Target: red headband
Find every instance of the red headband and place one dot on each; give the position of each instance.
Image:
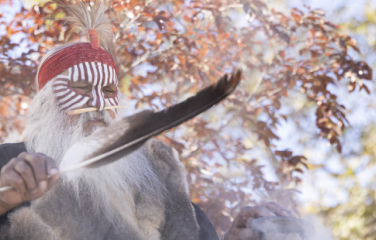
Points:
(70, 56)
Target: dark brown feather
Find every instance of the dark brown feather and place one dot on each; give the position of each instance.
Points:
(128, 134)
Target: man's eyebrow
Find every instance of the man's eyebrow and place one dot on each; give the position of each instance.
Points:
(111, 85)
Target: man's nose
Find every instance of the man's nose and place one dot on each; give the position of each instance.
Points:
(97, 98)
(89, 102)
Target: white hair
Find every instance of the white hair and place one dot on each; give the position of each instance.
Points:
(51, 131)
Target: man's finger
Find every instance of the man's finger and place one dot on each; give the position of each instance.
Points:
(26, 172)
(11, 178)
(11, 163)
(22, 155)
(38, 164)
(51, 166)
(53, 171)
(38, 192)
(278, 210)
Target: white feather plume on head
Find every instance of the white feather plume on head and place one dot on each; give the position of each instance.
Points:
(87, 16)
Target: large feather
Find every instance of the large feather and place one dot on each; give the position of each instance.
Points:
(126, 135)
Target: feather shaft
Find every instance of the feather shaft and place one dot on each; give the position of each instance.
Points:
(3, 189)
(91, 109)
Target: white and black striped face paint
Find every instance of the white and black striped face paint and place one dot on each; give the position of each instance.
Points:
(97, 76)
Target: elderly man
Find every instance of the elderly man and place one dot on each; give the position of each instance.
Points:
(143, 196)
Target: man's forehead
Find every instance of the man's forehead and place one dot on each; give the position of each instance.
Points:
(83, 76)
(66, 73)
(100, 82)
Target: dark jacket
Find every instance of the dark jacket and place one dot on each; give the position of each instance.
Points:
(11, 150)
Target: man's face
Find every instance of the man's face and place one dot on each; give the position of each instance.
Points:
(96, 77)
(81, 87)
(85, 89)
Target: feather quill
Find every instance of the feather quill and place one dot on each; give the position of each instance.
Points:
(128, 134)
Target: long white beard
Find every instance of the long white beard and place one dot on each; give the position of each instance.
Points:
(111, 187)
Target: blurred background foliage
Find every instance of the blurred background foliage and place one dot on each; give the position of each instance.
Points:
(300, 128)
(341, 188)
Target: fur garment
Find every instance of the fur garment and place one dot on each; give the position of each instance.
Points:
(62, 214)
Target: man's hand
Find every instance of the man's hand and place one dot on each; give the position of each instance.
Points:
(31, 175)
(241, 227)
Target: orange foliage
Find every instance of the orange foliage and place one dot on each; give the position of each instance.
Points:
(191, 45)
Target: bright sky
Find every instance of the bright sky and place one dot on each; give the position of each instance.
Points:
(354, 9)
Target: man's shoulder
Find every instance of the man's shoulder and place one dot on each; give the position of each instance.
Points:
(160, 150)
(9, 151)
